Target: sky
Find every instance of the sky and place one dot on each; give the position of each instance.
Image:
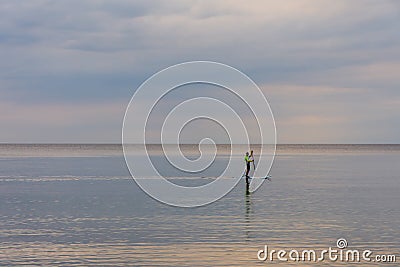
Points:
(329, 69)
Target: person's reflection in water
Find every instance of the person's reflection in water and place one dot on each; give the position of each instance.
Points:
(248, 211)
(247, 189)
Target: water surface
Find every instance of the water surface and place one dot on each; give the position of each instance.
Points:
(77, 205)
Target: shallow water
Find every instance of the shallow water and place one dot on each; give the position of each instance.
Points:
(77, 205)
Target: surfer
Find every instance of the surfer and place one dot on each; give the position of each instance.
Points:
(252, 160)
(248, 159)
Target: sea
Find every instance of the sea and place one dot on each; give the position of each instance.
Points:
(77, 205)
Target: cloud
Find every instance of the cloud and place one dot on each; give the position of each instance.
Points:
(66, 123)
(326, 114)
(382, 75)
(312, 57)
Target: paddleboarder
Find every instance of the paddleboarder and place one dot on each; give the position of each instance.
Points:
(247, 160)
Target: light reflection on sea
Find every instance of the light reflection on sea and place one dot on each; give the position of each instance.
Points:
(70, 205)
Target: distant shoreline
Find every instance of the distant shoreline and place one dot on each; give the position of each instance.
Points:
(99, 150)
(191, 144)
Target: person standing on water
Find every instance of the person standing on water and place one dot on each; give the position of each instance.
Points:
(252, 159)
(247, 159)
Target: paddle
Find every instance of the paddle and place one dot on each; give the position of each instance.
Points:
(254, 166)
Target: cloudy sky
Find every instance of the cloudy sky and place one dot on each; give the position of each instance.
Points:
(330, 69)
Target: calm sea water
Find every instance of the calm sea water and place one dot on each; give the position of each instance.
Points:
(77, 205)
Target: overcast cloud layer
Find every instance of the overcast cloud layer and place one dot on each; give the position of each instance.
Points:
(330, 69)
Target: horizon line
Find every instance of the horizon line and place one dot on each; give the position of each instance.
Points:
(257, 144)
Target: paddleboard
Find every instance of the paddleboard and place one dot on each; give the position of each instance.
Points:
(265, 178)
